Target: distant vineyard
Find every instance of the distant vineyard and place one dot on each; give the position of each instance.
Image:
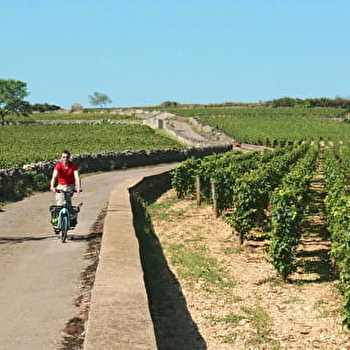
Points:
(273, 130)
(270, 126)
(268, 194)
(71, 116)
(257, 112)
(23, 144)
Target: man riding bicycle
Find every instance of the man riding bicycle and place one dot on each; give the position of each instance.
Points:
(65, 177)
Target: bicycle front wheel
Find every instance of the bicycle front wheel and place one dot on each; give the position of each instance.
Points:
(64, 228)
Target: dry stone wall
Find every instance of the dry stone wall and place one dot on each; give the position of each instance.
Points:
(18, 182)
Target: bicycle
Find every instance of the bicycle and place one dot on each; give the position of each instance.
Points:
(64, 218)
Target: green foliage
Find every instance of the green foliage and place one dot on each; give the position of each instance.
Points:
(76, 107)
(290, 102)
(83, 115)
(44, 107)
(25, 144)
(280, 185)
(184, 177)
(223, 169)
(99, 99)
(337, 204)
(29, 183)
(252, 191)
(170, 104)
(20, 189)
(39, 182)
(272, 126)
(257, 126)
(322, 102)
(288, 203)
(243, 182)
(12, 94)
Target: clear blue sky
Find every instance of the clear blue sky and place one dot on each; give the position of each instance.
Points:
(147, 52)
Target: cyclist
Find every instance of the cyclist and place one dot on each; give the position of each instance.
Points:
(66, 177)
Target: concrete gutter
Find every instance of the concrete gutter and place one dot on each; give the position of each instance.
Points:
(119, 313)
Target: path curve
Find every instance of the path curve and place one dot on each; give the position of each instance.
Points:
(39, 276)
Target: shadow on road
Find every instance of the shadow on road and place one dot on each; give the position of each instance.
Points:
(84, 238)
(174, 327)
(14, 240)
(75, 238)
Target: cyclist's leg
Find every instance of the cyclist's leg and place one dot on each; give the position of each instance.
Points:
(66, 188)
(69, 196)
(60, 196)
(59, 201)
(69, 189)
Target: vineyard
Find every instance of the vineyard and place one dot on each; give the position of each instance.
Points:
(270, 196)
(24, 144)
(273, 126)
(71, 116)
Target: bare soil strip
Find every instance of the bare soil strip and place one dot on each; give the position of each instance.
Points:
(248, 307)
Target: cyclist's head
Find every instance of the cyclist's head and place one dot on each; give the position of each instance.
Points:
(66, 155)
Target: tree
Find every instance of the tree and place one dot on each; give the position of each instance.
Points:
(170, 104)
(12, 94)
(77, 107)
(99, 99)
(44, 107)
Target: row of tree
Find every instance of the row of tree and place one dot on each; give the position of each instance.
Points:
(13, 94)
(337, 102)
(322, 102)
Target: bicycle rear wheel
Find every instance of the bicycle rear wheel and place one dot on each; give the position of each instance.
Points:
(64, 228)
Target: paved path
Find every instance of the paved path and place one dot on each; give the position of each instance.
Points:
(39, 276)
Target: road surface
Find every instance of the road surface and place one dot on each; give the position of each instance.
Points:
(39, 275)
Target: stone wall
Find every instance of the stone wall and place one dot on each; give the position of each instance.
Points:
(19, 182)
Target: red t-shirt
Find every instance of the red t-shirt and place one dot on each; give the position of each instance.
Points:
(66, 175)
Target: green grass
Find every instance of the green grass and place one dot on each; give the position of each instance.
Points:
(193, 265)
(232, 319)
(190, 257)
(260, 320)
(163, 211)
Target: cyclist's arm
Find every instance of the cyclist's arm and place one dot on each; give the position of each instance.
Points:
(77, 181)
(53, 180)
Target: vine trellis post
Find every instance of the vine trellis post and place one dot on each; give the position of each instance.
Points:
(198, 190)
(215, 199)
